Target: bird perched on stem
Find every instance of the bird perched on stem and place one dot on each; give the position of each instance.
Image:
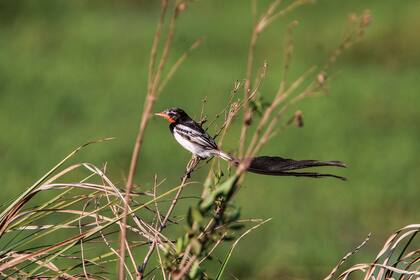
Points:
(195, 139)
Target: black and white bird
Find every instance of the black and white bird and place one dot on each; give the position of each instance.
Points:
(190, 135)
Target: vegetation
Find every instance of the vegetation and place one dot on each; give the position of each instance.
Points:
(77, 222)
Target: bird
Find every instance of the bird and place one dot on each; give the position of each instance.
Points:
(192, 137)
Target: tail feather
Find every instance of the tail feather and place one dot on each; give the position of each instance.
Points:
(278, 166)
(286, 164)
(297, 174)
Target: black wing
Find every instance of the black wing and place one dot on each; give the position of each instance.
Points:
(196, 134)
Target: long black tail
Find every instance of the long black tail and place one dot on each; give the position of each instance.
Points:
(278, 166)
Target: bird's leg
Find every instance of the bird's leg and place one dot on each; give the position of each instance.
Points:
(191, 166)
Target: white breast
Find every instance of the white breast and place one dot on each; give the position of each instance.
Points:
(186, 144)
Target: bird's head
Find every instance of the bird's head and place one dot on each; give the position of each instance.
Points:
(173, 115)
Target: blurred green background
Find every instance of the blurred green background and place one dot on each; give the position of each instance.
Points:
(72, 71)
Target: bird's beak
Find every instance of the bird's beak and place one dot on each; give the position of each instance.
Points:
(166, 116)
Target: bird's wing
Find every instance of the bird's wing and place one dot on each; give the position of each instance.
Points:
(196, 135)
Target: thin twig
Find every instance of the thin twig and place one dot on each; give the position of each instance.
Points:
(192, 164)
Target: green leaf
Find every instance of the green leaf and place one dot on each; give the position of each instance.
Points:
(197, 217)
(195, 269)
(195, 246)
(222, 189)
(179, 245)
(219, 174)
(207, 202)
(229, 237)
(259, 105)
(232, 216)
(207, 183)
(227, 186)
(186, 240)
(236, 226)
(190, 219)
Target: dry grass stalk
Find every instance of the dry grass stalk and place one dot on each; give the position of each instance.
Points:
(104, 215)
(348, 255)
(403, 266)
(147, 110)
(155, 85)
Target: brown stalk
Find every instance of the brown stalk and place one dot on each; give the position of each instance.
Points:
(154, 80)
(81, 241)
(150, 98)
(156, 39)
(155, 85)
(184, 270)
(247, 112)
